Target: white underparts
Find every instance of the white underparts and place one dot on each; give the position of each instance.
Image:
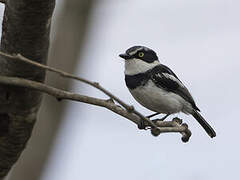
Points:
(159, 100)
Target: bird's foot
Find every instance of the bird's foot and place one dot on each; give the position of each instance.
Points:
(141, 124)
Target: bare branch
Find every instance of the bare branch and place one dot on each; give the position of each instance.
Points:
(93, 84)
(163, 126)
(129, 112)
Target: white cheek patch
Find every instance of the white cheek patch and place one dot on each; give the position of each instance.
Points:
(169, 76)
(136, 66)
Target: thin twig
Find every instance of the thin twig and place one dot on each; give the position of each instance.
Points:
(163, 126)
(94, 84)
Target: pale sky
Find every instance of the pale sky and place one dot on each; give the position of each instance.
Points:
(200, 41)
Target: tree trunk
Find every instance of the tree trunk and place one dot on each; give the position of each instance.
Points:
(26, 28)
(71, 31)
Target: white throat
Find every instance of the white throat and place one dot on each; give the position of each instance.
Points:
(135, 66)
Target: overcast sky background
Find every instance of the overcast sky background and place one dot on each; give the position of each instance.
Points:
(200, 41)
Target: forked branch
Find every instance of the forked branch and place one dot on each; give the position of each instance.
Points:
(124, 110)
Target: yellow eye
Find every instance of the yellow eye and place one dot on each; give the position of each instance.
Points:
(141, 54)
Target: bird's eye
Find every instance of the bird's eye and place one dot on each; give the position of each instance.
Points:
(140, 54)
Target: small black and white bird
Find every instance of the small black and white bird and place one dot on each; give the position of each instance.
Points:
(156, 87)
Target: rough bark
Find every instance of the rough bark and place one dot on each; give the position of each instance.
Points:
(26, 27)
(71, 31)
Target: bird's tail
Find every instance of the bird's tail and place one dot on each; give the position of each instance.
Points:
(204, 124)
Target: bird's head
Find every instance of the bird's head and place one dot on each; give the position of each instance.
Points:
(139, 59)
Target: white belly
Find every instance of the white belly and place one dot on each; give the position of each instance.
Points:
(159, 100)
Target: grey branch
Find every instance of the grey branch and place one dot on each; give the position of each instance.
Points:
(93, 84)
(163, 126)
(127, 111)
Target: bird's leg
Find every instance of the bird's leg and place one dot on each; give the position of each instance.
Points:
(152, 115)
(141, 124)
(162, 119)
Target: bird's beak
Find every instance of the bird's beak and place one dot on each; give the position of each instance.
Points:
(125, 56)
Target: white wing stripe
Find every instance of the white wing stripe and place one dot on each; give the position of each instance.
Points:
(159, 75)
(169, 76)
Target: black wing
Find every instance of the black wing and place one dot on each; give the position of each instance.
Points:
(165, 78)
